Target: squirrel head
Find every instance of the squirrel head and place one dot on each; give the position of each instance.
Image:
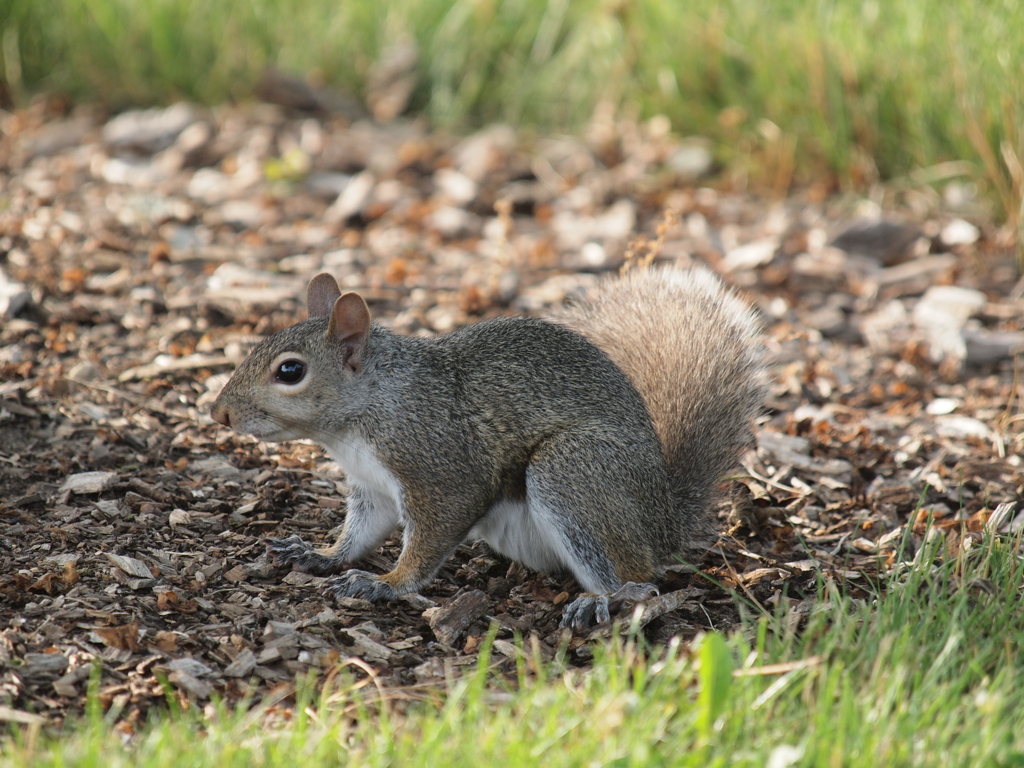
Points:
(293, 383)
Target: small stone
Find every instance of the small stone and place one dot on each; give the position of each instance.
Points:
(236, 284)
(149, 130)
(44, 664)
(829, 320)
(179, 517)
(89, 482)
(130, 565)
(921, 271)
(209, 185)
(962, 427)
(986, 347)
(84, 372)
(276, 629)
(190, 666)
(755, 254)
(367, 647)
(351, 201)
(59, 135)
(108, 508)
(327, 184)
(452, 222)
(433, 669)
(941, 314)
(218, 467)
(957, 301)
(593, 255)
(186, 150)
(883, 328)
(691, 160)
(618, 222)
(300, 579)
(245, 213)
(886, 241)
(141, 175)
(63, 558)
(959, 232)
(479, 154)
(237, 574)
(829, 263)
(198, 688)
(442, 319)
(457, 187)
(941, 406)
(554, 290)
(14, 297)
(67, 685)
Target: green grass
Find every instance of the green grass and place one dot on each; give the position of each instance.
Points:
(927, 675)
(855, 90)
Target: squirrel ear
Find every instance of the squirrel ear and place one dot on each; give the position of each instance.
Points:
(321, 294)
(349, 327)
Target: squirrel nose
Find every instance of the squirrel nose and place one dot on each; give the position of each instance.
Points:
(220, 413)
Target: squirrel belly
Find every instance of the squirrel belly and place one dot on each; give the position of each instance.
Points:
(592, 443)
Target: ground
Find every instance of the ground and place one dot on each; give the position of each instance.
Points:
(140, 258)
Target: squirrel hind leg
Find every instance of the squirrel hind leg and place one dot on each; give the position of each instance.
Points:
(589, 609)
(599, 529)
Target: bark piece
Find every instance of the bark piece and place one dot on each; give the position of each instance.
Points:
(452, 619)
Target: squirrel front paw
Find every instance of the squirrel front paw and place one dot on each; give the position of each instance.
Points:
(361, 584)
(297, 553)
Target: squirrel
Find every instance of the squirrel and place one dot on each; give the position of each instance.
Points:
(592, 442)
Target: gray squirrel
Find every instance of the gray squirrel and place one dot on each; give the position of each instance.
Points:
(591, 443)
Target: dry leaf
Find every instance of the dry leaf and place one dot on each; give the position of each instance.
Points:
(70, 573)
(169, 600)
(396, 271)
(45, 584)
(123, 638)
(166, 641)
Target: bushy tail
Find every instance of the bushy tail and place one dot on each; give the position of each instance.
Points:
(692, 350)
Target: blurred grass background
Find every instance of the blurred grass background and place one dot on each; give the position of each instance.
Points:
(850, 91)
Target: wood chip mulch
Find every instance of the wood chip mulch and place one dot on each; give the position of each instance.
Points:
(141, 256)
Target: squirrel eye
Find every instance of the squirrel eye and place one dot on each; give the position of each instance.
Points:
(290, 371)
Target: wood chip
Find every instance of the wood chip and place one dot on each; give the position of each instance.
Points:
(9, 715)
(242, 666)
(130, 565)
(89, 482)
(452, 619)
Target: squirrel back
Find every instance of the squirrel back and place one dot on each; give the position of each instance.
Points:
(691, 348)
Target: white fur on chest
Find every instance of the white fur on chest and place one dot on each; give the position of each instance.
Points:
(366, 472)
